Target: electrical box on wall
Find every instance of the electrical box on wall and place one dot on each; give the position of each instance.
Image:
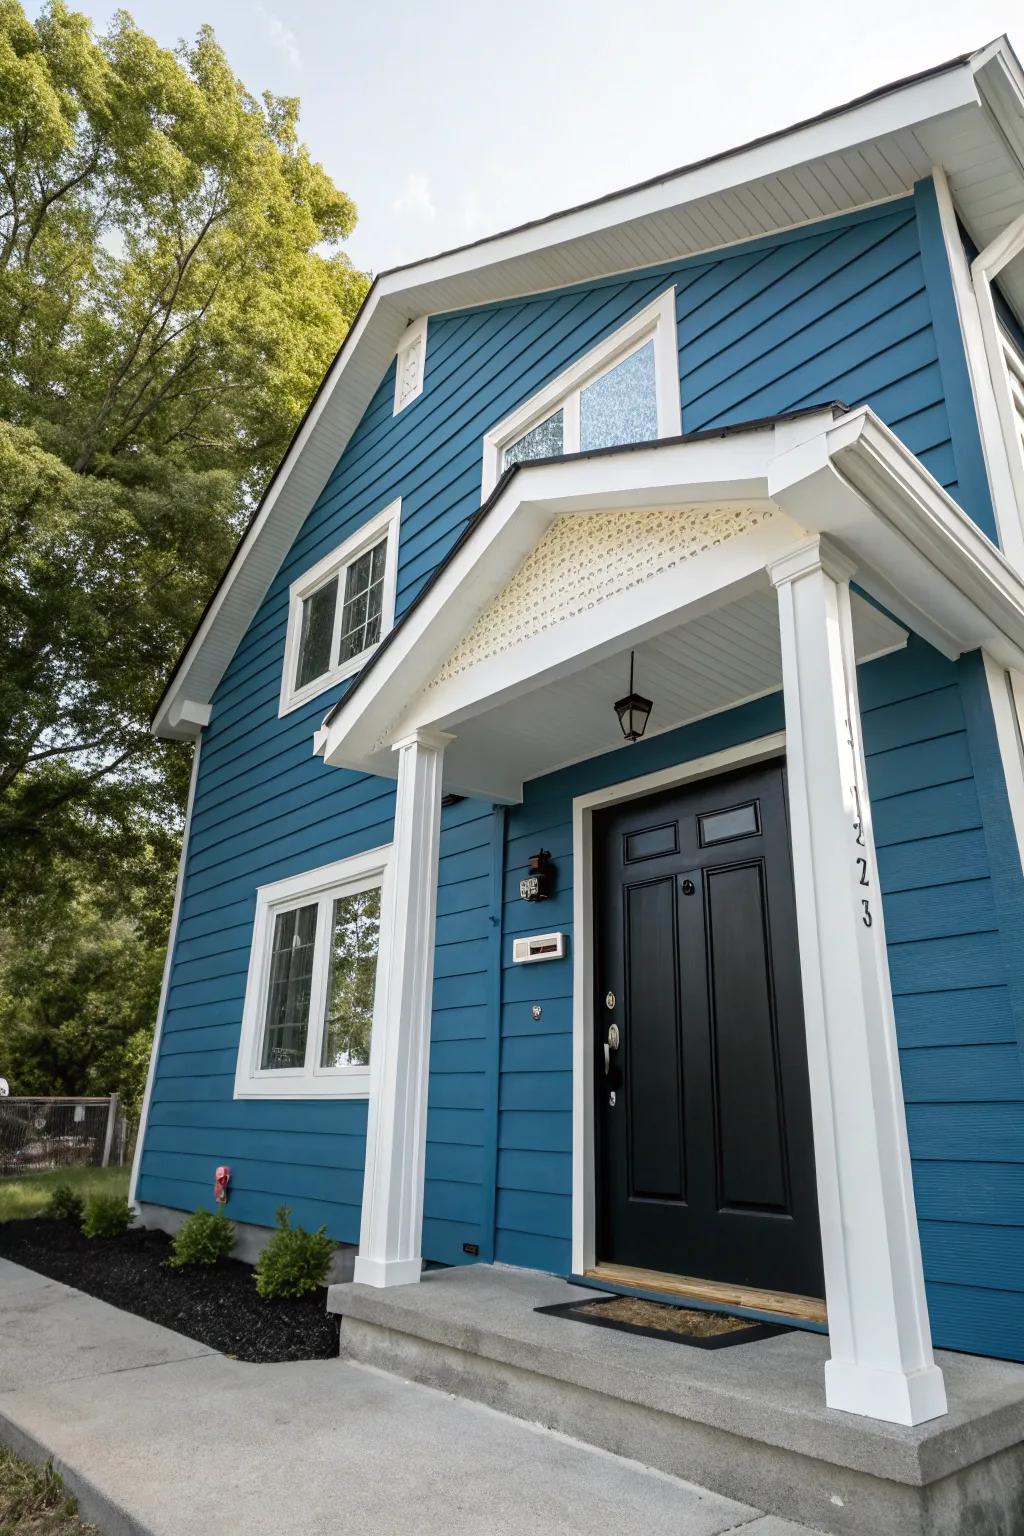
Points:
(539, 946)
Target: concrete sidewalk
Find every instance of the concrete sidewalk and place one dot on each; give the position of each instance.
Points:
(160, 1436)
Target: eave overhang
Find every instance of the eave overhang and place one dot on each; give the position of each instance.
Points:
(868, 151)
(843, 475)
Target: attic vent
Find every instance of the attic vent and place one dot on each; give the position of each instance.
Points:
(409, 369)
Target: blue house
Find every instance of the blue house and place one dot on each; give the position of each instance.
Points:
(603, 853)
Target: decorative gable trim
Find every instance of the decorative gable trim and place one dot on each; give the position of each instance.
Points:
(582, 562)
(410, 364)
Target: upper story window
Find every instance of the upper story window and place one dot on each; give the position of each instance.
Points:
(340, 609)
(626, 390)
(308, 1019)
(411, 359)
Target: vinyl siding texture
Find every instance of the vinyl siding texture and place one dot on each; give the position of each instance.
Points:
(854, 309)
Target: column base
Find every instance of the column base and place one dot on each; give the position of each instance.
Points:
(909, 1398)
(386, 1272)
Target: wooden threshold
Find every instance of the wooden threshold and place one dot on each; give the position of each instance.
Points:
(808, 1308)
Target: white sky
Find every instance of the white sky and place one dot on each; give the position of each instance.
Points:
(446, 120)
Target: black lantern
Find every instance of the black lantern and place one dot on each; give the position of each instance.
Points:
(540, 882)
(633, 711)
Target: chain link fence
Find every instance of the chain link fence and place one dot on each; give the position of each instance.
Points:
(37, 1135)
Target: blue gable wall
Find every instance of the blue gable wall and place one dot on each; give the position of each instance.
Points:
(854, 309)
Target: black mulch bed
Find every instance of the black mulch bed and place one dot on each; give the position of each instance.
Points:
(216, 1305)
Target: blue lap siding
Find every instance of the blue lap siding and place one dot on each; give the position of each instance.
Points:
(855, 309)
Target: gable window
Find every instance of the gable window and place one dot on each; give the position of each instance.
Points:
(340, 610)
(626, 390)
(307, 1026)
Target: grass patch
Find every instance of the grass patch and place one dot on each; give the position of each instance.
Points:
(34, 1501)
(29, 1193)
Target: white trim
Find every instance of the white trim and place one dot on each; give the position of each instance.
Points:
(165, 981)
(384, 525)
(584, 1215)
(656, 321)
(412, 348)
(391, 1221)
(1006, 694)
(363, 871)
(881, 1363)
(995, 448)
(917, 553)
(985, 268)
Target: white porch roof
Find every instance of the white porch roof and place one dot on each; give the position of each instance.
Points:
(519, 647)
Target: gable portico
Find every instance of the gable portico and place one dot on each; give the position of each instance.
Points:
(752, 537)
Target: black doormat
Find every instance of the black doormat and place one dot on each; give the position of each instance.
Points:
(660, 1320)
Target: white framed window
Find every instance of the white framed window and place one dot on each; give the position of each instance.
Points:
(311, 995)
(410, 365)
(339, 611)
(626, 390)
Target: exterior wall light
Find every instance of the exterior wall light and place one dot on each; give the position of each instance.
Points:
(634, 710)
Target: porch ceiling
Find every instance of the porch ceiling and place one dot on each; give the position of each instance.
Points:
(694, 669)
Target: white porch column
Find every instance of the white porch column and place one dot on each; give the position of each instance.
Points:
(880, 1339)
(396, 1134)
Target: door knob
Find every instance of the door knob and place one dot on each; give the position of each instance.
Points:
(612, 1043)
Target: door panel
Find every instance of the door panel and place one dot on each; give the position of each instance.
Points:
(745, 1085)
(705, 1154)
(654, 1075)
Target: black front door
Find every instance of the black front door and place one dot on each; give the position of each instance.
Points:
(705, 1156)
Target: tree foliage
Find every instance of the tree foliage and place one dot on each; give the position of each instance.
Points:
(171, 292)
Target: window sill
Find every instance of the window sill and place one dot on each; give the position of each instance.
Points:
(354, 1085)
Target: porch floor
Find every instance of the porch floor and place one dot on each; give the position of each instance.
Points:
(749, 1421)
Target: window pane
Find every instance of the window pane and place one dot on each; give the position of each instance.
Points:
(354, 940)
(364, 599)
(544, 441)
(719, 826)
(621, 406)
(291, 970)
(315, 636)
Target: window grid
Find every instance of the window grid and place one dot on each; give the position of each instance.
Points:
(320, 979)
(586, 418)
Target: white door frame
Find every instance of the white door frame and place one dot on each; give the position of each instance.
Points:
(584, 1200)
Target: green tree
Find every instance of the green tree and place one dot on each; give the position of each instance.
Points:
(172, 289)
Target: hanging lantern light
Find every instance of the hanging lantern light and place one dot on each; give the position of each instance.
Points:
(633, 711)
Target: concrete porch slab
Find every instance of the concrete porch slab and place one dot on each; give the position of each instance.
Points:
(160, 1437)
(749, 1422)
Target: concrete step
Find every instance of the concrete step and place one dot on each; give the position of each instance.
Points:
(749, 1422)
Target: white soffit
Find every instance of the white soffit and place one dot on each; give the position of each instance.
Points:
(967, 116)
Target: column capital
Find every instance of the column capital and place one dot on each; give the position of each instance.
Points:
(426, 736)
(815, 554)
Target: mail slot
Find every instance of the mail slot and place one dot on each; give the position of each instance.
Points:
(539, 946)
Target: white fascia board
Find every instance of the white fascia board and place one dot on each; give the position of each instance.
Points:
(906, 106)
(916, 550)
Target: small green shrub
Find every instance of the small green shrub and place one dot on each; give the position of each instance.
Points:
(66, 1204)
(203, 1238)
(107, 1216)
(294, 1261)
